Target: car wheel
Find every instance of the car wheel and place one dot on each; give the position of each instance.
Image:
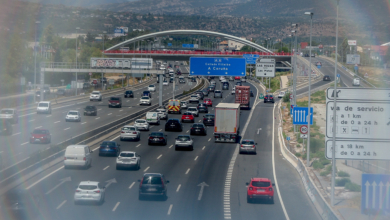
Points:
(271, 200)
(248, 200)
(192, 148)
(140, 197)
(176, 148)
(117, 167)
(192, 121)
(165, 143)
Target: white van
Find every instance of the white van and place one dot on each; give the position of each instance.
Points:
(356, 82)
(77, 156)
(44, 107)
(152, 118)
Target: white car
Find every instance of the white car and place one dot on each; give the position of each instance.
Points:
(95, 95)
(141, 124)
(151, 88)
(183, 104)
(145, 100)
(89, 191)
(130, 132)
(194, 98)
(281, 94)
(221, 78)
(152, 117)
(356, 82)
(9, 114)
(234, 90)
(128, 159)
(73, 115)
(162, 67)
(184, 141)
(194, 111)
(165, 83)
(44, 107)
(162, 113)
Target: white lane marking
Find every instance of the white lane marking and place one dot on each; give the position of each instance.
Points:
(178, 188)
(56, 122)
(188, 171)
(116, 206)
(170, 146)
(120, 110)
(97, 118)
(205, 146)
(111, 113)
(32, 120)
(273, 164)
(131, 107)
(29, 187)
(105, 168)
(99, 109)
(159, 156)
(66, 129)
(210, 138)
(62, 203)
(170, 209)
(151, 126)
(115, 138)
(197, 156)
(161, 129)
(147, 168)
(83, 123)
(24, 143)
(188, 131)
(48, 116)
(38, 127)
(16, 134)
(201, 120)
(131, 185)
(138, 145)
(129, 100)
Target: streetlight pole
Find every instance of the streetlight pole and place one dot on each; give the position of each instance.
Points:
(35, 61)
(308, 108)
(295, 66)
(77, 29)
(334, 111)
(104, 33)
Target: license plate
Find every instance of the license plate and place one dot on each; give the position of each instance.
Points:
(208, 120)
(197, 130)
(172, 125)
(37, 140)
(70, 158)
(187, 117)
(156, 139)
(152, 189)
(260, 190)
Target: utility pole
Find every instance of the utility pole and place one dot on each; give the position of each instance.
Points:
(35, 61)
(77, 35)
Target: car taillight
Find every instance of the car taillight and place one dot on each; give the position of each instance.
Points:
(250, 188)
(134, 132)
(97, 191)
(140, 184)
(271, 97)
(242, 145)
(84, 158)
(192, 128)
(162, 182)
(161, 138)
(64, 158)
(233, 136)
(253, 146)
(78, 190)
(150, 138)
(270, 189)
(216, 136)
(122, 132)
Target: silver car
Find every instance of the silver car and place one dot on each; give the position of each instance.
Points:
(248, 146)
(194, 111)
(145, 100)
(183, 104)
(9, 114)
(128, 159)
(184, 141)
(217, 94)
(194, 98)
(89, 191)
(130, 132)
(162, 113)
(95, 95)
(141, 124)
(73, 115)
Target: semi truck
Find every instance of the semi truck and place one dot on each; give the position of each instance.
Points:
(227, 122)
(243, 96)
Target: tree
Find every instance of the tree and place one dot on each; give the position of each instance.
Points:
(48, 34)
(90, 37)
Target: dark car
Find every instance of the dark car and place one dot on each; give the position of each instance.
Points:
(200, 94)
(103, 80)
(211, 88)
(128, 94)
(171, 80)
(326, 78)
(269, 98)
(225, 86)
(46, 90)
(252, 95)
(157, 138)
(202, 108)
(239, 83)
(41, 136)
(205, 92)
(146, 93)
(90, 110)
(5, 127)
(173, 124)
(86, 86)
(60, 92)
(110, 148)
(153, 184)
(115, 102)
(198, 128)
(38, 94)
(209, 119)
(193, 79)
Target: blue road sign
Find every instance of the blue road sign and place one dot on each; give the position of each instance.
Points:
(356, 68)
(300, 115)
(207, 66)
(250, 58)
(169, 44)
(288, 138)
(187, 45)
(291, 109)
(319, 66)
(338, 75)
(375, 193)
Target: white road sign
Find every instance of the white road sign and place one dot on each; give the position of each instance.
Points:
(304, 136)
(303, 129)
(359, 94)
(265, 67)
(353, 59)
(352, 42)
(359, 150)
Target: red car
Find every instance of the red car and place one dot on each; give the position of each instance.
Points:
(187, 116)
(40, 136)
(208, 102)
(260, 188)
(237, 78)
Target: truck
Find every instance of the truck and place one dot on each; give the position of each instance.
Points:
(227, 122)
(243, 96)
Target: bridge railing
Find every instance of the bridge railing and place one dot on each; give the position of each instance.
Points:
(65, 65)
(174, 52)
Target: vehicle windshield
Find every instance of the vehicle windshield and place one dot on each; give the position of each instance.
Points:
(72, 113)
(216, 91)
(43, 105)
(209, 116)
(38, 131)
(145, 97)
(126, 155)
(157, 134)
(96, 93)
(6, 111)
(151, 114)
(87, 187)
(261, 184)
(174, 103)
(114, 99)
(197, 126)
(192, 109)
(152, 180)
(128, 128)
(183, 138)
(151, 86)
(247, 142)
(90, 108)
(129, 92)
(140, 121)
(108, 143)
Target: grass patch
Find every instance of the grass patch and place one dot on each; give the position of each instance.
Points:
(343, 174)
(318, 165)
(342, 181)
(324, 173)
(298, 154)
(353, 187)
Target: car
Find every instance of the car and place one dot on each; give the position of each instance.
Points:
(248, 146)
(115, 102)
(205, 92)
(86, 86)
(225, 86)
(194, 98)
(193, 79)
(153, 184)
(194, 111)
(237, 78)
(146, 93)
(9, 114)
(209, 119)
(171, 80)
(198, 128)
(260, 188)
(44, 107)
(41, 136)
(128, 159)
(109, 148)
(269, 98)
(73, 115)
(90, 110)
(281, 94)
(183, 104)
(187, 116)
(221, 78)
(162, 113)
(89, 191)
(231, 78)
(5, 127)
(128, 94)
(157, 138)
(211, 88)
(252, 95)
(208, 102)
(173, 124)
(60, 92)
(95, 95)
(174, 106)
(46, 90)
(182, 81)
(326, 78)
(200, 94)
(165, 83)
(184, 141)
(202, 108)
(145, 101)
(239, 83)
(141, 124)
(152, 117)
(234, 90)
(313, 55)
(243, 79)
(356, 82)
(162, 67)
(212, 82)
(217, 94)
(130, 132)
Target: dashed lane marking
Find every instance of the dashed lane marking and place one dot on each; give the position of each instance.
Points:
(170, 146)
(170, 209)
(138, 145)
(159, 156)
(188, 170)
(97, 118)
(131, 185)
(116, 206)
(66, 129)
(83, 123)
(60, 205)
(196, 158)
(147, 168)
(203, 147)
(56, 122)
(24, 143)
(210, 138)
(178, 188)
(105, 168)
(16, 134)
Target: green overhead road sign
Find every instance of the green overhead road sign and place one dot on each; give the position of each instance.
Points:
(261, 96)
(68, 86)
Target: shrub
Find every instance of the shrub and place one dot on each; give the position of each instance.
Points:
(342, 181)
(317, 165)
(316, 145)
(353, 187)
(286, 97)
(324, 173)
(298, 154)
(329, 168)
(342, 174)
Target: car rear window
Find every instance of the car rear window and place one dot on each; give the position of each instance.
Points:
(187, 113)
(217, 91)
(209, 116)
(90, 107)
(128, 128)
(108, 143)
(174, 103)
(72, 113)
(129, 92)
(151, 86)
(114, 98)
(152, 180)
(140, 121)
(157, 134)
(248, 142)
(261, 184)
(126, 155)
(7, 111)
(96, 93)
(145, 97)
(191, 109)
(43, 105)
(39, 132)
(197, 126)
(183, 138)
(87, 187)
